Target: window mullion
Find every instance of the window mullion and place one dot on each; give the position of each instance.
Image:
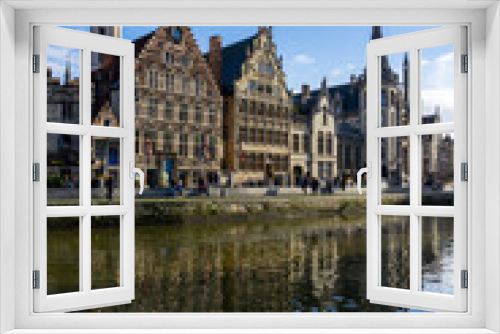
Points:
(86, 166)
(414, 170)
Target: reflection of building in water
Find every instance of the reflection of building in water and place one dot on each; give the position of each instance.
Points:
(257, 107)
(395, 270)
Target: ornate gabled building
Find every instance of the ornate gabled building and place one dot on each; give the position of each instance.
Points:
(348, 110)
(178, 109)
(257, 108)
(314, 134)
(328, 131)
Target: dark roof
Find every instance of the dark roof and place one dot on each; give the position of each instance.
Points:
(349, 94)
(140, 43)
(233, 57)
(346, 130)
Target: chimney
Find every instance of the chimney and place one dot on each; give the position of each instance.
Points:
(215, 58)
(306, 91)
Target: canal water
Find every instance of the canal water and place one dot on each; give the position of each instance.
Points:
(261, 265)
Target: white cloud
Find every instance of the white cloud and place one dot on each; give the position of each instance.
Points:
(442, 98)
(447, 57)
(351, 66)
(335, 72)
(303, 59)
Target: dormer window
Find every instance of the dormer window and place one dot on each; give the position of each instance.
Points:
(325, 117)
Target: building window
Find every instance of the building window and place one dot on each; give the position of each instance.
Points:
(137, 142)
(212, 147)
(307, 147)
(199, 115)
(320, 143)
(329, 143)
(269, 137)
(199, 146)
(186, 86)
(329, 169)
(137, 107)
(169, 142)
(169, 58)
(271, 111)
(296, 143)
(168, 110)
(260, 138)
(325, 118)
(169, 82)
(260, 110)
(266, 69)
(242, 134)
(153, 78)
(153, 109)
(183, 114)
(212, 117)
(252, 86)
(183, 145)
(253, 135)
(200, 88)
(347, 157)
(384, 98)
(320, 169)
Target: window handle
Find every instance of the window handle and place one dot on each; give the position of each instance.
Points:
(133, 171)
(368, 172)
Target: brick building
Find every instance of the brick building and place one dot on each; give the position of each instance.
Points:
(178, 109)
(257, 108)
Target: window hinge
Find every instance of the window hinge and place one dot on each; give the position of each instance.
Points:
(36, 63)
(36, 172)
(36, 279)
(465, 64)
(464, 279)
(464, 171)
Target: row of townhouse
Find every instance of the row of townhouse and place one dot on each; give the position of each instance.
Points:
(229, 112)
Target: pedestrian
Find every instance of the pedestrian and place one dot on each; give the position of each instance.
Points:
(315, 185)
(304, 185)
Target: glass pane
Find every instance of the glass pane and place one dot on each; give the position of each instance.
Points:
(437, 169)
(395, 271)
(437, 84)
(63, 255)
(437, 254)
(105, 170)
(63, 84)
(395, 171)
(63, 169)
(105, 89)
(395, 90)
(105, 240)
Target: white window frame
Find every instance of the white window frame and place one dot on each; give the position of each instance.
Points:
(413, 43)
(86, 297)
(16, 239)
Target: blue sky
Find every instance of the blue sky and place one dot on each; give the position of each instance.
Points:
(310, 53)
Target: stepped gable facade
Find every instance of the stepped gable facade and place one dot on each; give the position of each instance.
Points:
(257, 108)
